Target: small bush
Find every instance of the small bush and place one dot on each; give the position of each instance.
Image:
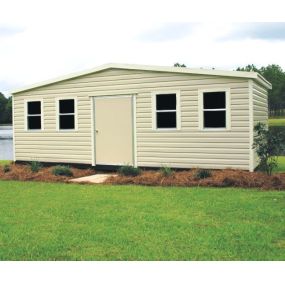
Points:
(166, 171)
(202, 174)
(268, 145)
(35, 166)
(128, 170)
(6, 168)
(62, 170)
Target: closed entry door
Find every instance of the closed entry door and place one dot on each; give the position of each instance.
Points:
(114, 130)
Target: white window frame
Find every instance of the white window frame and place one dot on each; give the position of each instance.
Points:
(34, 115)
(154, 111)
(227, 108)
(75, 114)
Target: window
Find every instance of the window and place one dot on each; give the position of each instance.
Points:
(34, 115)
(166, 111)
(215, 109)
(66, 109)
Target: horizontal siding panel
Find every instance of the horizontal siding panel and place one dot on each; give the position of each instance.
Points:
(202, 156)
(195, 161)
(52, 159)
(204, 145)
(197, 165)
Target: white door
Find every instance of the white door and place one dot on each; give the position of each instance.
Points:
(114, 130)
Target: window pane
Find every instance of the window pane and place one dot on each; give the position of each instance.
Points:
(166, 120)
(214, 119)
(34, 108)
(66, 122)
(34, 123)
(166, 102)
(66, 106)
(214, 100)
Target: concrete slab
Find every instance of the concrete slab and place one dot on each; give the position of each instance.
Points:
(97, 178)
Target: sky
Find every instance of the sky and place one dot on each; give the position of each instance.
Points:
(40, 40)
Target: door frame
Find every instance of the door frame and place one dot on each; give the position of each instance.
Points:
(93, 125)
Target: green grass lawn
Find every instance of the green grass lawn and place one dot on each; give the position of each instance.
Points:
(281, 164)
(3, 162)
(277, 122)
(45, 221)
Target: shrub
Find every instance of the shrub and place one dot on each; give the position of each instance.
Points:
(128, 170)
(62, 170)
(202, 173)
(6, 168)
(268, 145)
(166, 171)
(35, 166)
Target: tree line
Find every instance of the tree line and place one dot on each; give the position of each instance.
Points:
(5, 109)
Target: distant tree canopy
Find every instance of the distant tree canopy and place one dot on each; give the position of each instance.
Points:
(5, 109)
(177, 64)
(276, 76)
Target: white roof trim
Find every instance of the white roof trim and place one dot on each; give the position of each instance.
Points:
(240, 74)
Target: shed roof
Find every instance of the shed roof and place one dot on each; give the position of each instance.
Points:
(241, 74)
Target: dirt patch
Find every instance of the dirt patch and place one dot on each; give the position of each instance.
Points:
(23, 173)
(219, 178)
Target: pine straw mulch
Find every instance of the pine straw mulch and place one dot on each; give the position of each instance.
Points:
(23, 172)
(219, 178)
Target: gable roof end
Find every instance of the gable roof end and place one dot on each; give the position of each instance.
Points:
(240, 74)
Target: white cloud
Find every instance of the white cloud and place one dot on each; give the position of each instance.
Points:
(45, 39)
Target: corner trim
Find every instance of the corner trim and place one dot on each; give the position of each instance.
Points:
(251, 126)
(92, 102)
(13, 124)
(135, 154)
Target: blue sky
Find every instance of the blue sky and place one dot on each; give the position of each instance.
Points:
(44, 39)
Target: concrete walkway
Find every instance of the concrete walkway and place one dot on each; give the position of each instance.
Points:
(97, 178)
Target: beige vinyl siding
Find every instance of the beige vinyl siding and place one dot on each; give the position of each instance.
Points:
(188, 147)
(50, 145)
(260, 108)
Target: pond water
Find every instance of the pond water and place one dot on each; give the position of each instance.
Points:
(6, 143)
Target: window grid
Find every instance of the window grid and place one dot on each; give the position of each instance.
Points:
(67, 114)
(166, 111)
(33, 115)
(225, 109)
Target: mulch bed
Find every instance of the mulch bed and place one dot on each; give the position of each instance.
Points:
(23, 173)
(219, 178)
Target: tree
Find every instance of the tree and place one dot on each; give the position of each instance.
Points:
(3, 102)
(5, 109)
(177, 64)
(249, 67)
(276, 97)
(276, 76)
(268, 145)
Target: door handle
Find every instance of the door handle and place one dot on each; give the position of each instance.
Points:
(96, 131)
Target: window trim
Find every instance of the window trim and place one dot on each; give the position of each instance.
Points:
(75, 114)
(227, 109)
(154, 111)
(26, 114)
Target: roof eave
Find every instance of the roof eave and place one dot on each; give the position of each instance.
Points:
(240, 74)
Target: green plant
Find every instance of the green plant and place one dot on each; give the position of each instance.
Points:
(6, 168)
(166, 171)
(268, 145)
(62, 170)
(128, 170)
(35, 166)
(202, 173)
